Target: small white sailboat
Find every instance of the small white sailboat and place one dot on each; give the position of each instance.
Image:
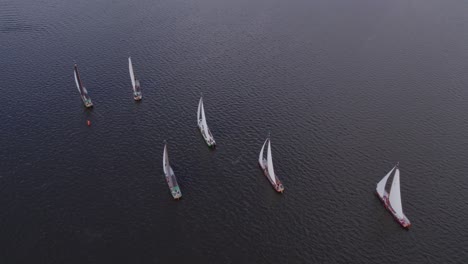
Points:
(170, 176)
(83, 92)
(267, 166)
(392, 201)
(201, 121)
(135, 83)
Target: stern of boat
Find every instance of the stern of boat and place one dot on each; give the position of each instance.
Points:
(405, 222)
(402, 220)
(279, 188)
(211, 144)
(137, 96)
(175, 191)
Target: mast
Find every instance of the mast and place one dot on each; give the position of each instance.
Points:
(260, 157)
(381, 185)
(395, 195)
(271, 171)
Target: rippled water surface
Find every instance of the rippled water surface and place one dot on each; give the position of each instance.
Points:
(346, 89)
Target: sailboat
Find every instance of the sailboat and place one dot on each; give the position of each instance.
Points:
(267, 166)
(204, 130)
(170, 176)
(392, 201)
(83, 92)
(135, 83)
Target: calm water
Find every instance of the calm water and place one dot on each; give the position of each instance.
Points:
(346, 88)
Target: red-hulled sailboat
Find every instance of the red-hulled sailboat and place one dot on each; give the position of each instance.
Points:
(267, 166)
(392, 200)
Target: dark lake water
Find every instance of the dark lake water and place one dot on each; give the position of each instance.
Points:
(346, 88)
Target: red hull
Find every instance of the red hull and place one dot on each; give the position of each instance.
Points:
(278, 187)
(404, 222)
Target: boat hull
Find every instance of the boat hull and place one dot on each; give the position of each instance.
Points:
(176, 194)
(173, 186)
(87, 102)
(403, 221)
(137, 96)
(208, 140)
(278, 187)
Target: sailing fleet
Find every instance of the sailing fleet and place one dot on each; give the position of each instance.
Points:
(391, 200)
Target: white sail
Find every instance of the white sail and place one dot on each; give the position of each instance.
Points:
(381, 185)
(76, 81)
(271, 171)
(198, 111)
(205, 126)
(260, 157)
(395, 195)
(132, 75)
(166, 165)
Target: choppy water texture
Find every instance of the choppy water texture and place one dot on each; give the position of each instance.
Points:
(346, 88)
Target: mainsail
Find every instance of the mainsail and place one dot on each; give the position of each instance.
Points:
(260, 157)
(132, 75)
(78, 80)
(166, 166)
(198, 111)
(395, 195)
(271, 171)
(205, 126)
(383, 182)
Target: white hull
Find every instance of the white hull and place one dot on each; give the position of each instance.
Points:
(87, 102)
(137, 96)
(208, 138)
(173, 185)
